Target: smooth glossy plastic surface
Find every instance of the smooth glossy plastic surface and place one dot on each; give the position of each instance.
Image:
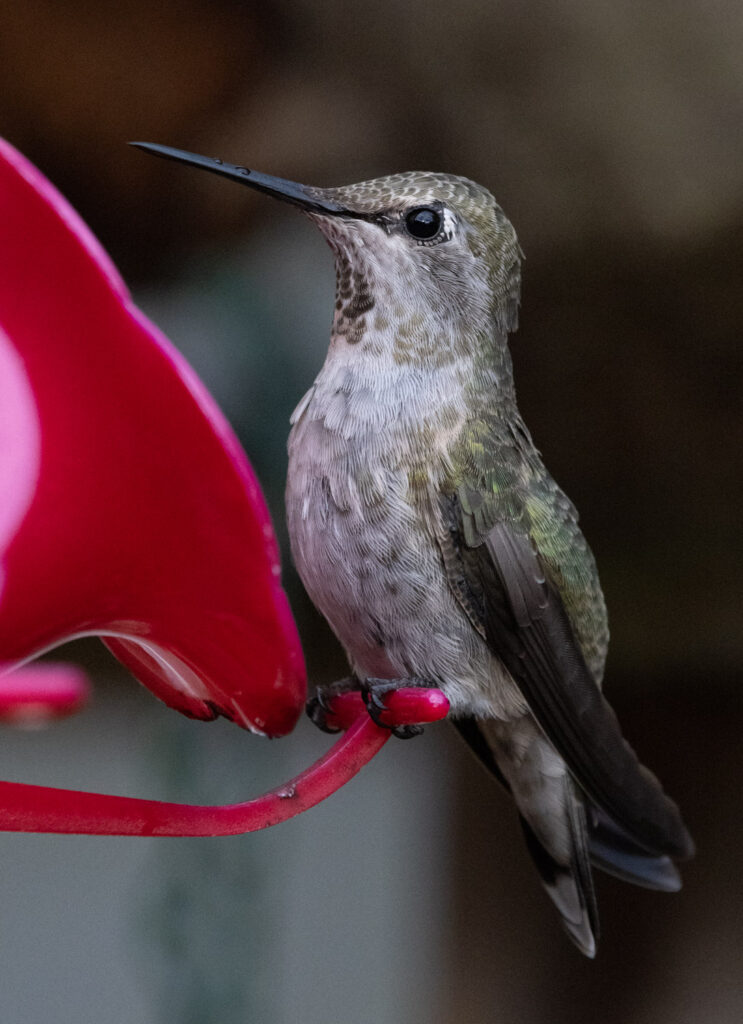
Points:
(128, 509)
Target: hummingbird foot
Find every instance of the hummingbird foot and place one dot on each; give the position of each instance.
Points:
(319, 708)
(373, 692)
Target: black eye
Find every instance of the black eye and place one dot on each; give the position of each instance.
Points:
(423, 222)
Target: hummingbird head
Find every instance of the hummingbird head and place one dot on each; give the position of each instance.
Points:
(429, 251)
(420, 257)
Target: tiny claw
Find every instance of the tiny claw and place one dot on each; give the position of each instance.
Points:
(319, 712)
(407, 732)
(373, 693)
(372, 698)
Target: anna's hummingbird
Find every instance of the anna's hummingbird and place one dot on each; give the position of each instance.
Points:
(428, 532)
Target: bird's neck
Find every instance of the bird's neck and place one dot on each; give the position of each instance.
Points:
(372, 389)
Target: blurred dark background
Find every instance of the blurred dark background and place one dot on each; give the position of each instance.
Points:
(611, 135)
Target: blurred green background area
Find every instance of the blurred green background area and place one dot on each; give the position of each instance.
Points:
(611, 135)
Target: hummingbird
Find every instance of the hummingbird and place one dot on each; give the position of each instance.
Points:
(427, 530)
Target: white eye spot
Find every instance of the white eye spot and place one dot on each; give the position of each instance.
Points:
(449, 223)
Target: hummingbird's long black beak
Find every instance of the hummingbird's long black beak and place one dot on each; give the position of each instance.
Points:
(290, 191)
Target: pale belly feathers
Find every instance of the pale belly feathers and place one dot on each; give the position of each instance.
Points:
(373, 567)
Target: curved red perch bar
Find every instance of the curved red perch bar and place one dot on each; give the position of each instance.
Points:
(25, 808)
(128, 510)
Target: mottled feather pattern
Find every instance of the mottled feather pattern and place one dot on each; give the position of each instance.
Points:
(364, 538)
(505, 481)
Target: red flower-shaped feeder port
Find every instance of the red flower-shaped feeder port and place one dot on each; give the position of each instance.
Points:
(128, 510)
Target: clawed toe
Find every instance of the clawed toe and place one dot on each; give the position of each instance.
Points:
(318, 712)
(318, 708)
(372, 698)
(406, 732)
(373, 692)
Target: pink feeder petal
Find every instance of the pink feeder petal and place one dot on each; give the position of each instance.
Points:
(36, 693)
(20, 444)
(25, 808)
(128, 507)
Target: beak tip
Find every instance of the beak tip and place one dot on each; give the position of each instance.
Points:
(147, 147)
